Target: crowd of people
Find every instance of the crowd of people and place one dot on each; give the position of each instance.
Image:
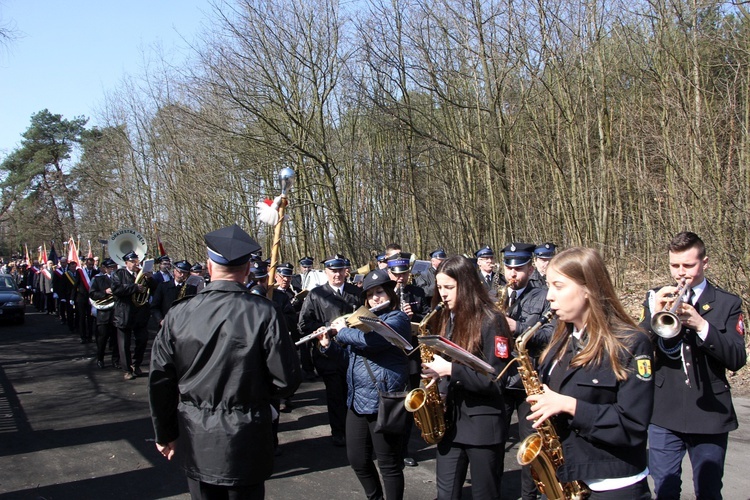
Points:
(623, 400)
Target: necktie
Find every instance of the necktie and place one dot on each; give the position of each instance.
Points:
(691, 297)
(511, 298)
(488, 279)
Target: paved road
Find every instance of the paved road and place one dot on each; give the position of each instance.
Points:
(71, 431)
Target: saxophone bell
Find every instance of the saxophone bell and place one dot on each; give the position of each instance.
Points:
(425, 402)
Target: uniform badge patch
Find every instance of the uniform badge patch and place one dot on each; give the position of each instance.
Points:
(741, 325)
(643, 363)
(501, 347)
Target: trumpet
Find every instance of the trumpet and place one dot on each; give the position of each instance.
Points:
(665, 323)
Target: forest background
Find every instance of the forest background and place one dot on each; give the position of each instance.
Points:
(455, 124)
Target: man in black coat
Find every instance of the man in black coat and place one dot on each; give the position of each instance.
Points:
(322, 305)
(106, 333)
(489, 276)
(693, 409)
(526, 305)
(83, 308)
(542, 255)
(164, 274)
(172, 289)
(130, 319)
(426, 279)
(217, 361)
(63, 283)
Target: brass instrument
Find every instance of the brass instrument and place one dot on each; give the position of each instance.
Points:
(183, 290)
(666, 324)
(542, 450)
(108, 302)
(141, 298)
(503, 296)
(425, 402)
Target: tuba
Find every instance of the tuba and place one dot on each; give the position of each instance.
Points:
(542, 450)
(126, 240)
(425, 402)
(122, 242)
(141, 298)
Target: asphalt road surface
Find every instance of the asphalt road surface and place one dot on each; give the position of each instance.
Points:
(69, 430)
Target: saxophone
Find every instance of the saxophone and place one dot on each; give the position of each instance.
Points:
(425, 403)
(542, 450)
(503, 296)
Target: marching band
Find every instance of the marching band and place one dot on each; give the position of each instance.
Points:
(601, 385)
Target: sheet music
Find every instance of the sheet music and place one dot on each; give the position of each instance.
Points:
(456, 353)
(387, 332)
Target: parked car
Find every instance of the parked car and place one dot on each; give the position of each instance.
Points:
(12, 305)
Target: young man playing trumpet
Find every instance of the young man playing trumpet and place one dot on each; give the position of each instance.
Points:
(693, 409)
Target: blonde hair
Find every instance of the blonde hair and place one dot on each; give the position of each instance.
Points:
(609, 328)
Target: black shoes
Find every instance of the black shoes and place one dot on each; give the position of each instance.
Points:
(286, 406)
(100, 364)
(136, 369)
(410, 462)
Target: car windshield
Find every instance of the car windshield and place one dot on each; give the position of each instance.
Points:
(6, 284)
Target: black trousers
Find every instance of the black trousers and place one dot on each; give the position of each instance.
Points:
(86, 325)
(105, 334)
(68, 314)
(336, 401)
(140, 333)
(515, 400)
(453, 461)
(361, 442)
(204, 491)
(49, 302)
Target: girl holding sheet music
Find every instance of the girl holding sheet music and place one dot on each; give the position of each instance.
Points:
(474, 402)
(374, 365)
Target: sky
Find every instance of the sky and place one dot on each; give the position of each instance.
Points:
(68, 54)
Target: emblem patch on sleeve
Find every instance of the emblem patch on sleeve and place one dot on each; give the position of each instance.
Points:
(741, 325)
(643, 363)
(501, 347)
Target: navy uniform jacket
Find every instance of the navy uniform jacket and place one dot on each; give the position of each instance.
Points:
(126, 314)
(607, 436)
(474, 404)
(529, 308)
(537, 280)
(166, 293)
(217, 361)
(426, 281)
(701, 402)
(527, 311)
(321, 306)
